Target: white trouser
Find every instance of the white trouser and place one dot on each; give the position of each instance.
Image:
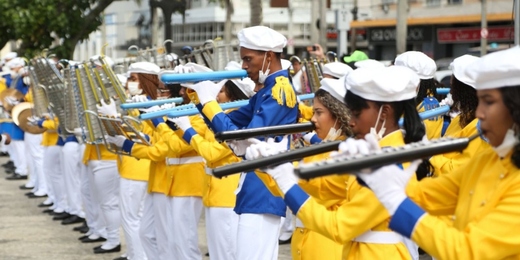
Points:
(34, 150)
(154, 227)
(131, 200)
(287, 225)
(20, 158)
(263, 229)
(221, 233)
(147, 228)
(70, 165)
(106, 186)
(412, 247)
(52, 167)
(95, 222)
(185, 214)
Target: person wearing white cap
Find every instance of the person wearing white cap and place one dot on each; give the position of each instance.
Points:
(6, 70)
(335, 70)
(465, 123)
(377, 99)
(426, 99)
(299, 77)
(369, 63)
(482, 195)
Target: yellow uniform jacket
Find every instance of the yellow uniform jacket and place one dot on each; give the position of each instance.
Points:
(132, 168)
(50, 137)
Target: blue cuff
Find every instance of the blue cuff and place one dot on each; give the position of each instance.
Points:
(40, 123)
(172, 125)
(188, 134)
(71, 138)
(315, 139)
(127, 146)
(295, 197)
(405, 218)
(157, 121)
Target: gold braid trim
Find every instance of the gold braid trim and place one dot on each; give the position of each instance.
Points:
(283, 90)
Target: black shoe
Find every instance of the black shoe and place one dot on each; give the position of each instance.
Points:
(30, 193)
(104, 251)
(10, 170)
(121, 258)
(23, 187)
(34, 196)
(43, 205)
(61, 216)
(8, 164)
(2, 154)
(49, 211)
(84, 230)
(72, 220)
(81, 238)
(78, 228)
(88, 240)
(283, 242)
(207, 254)
(16, 177)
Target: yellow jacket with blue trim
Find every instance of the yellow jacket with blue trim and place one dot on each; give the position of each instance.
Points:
(132, 168)
(360, 213)
(446, 163)
(50, 137)
(484, 197)
(306, 112)
(188, 176)
(433, 126)
(217, 192)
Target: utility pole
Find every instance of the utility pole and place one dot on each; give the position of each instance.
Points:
(483, 30)
(353, 29)
(517, 22)
(155, 27)
(401, 27)
(343, 19)
(290, 34)
(323, 25)
(314, 18)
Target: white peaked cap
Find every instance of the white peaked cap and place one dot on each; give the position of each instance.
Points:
(10, 56)
(246, 85)
(261, 38)
(369, 64)
(335, 87)
(419, 62)
(286, 64)
(109, 60)
(336, 69)
(387, 84)
(15, 62)
(496, 70)
(144, 67)
(459, 66)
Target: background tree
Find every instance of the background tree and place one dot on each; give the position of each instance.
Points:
(169, 7)
(256, 12)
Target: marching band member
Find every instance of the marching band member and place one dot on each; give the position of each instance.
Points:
(219, 197)
(134, 173)
(377, 99)
(273, 104)
(465, 99)
(425, 67)
(482, 195)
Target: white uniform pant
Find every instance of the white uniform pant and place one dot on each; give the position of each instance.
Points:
(183, 229)
(106, 186)
(95, 221)
(52, 168)
(34, 150)
(258, 236)
(19, 157)
(154, 227)
(221, 233)
(70, 163)
(131, 202)
(287, 222)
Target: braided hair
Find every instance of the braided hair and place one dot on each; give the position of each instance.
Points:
(511, 99)
(427, 87)
(338, 110)
(465, 99)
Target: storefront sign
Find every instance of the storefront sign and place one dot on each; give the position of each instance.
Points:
(473, 34)
(415, 34)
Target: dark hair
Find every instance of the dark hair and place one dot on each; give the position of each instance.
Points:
(338, 110)
(413, 126)
(233, 92)
(427, 87)
(174, 89)
(149, 83)
(511, 99)
(465, 99)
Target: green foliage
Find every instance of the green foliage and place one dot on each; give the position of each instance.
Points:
(40, 23)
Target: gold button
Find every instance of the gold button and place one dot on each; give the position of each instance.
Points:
(483, 203)
(471, 192)
(301, 230)
(502, 176)
(299, 252)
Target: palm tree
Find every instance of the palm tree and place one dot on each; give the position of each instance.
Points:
(256, 12)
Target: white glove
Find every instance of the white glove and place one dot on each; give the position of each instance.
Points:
(26, 80)
(351, 146)
(167, 106)
(239, 147)
(109, 110)
(182, 69)
(447, 101)
(308, 136)
(78, 131)
(33, 120)
(139, 98)
(11, 101)
(150, 109)
(181, 122)
(260, 149)
(284, 176)
(207, 90)
(117, 140)
(388, 184)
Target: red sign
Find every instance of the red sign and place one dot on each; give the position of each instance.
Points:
(473, 34)
(333, 34)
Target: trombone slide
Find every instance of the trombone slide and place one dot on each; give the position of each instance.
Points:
(170, 77)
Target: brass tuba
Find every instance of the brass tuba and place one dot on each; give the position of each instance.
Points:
(314, 70)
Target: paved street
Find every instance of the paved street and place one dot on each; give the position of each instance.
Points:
(27, 233)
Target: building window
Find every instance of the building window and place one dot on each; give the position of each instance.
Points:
(454, 2)
(433, 2)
